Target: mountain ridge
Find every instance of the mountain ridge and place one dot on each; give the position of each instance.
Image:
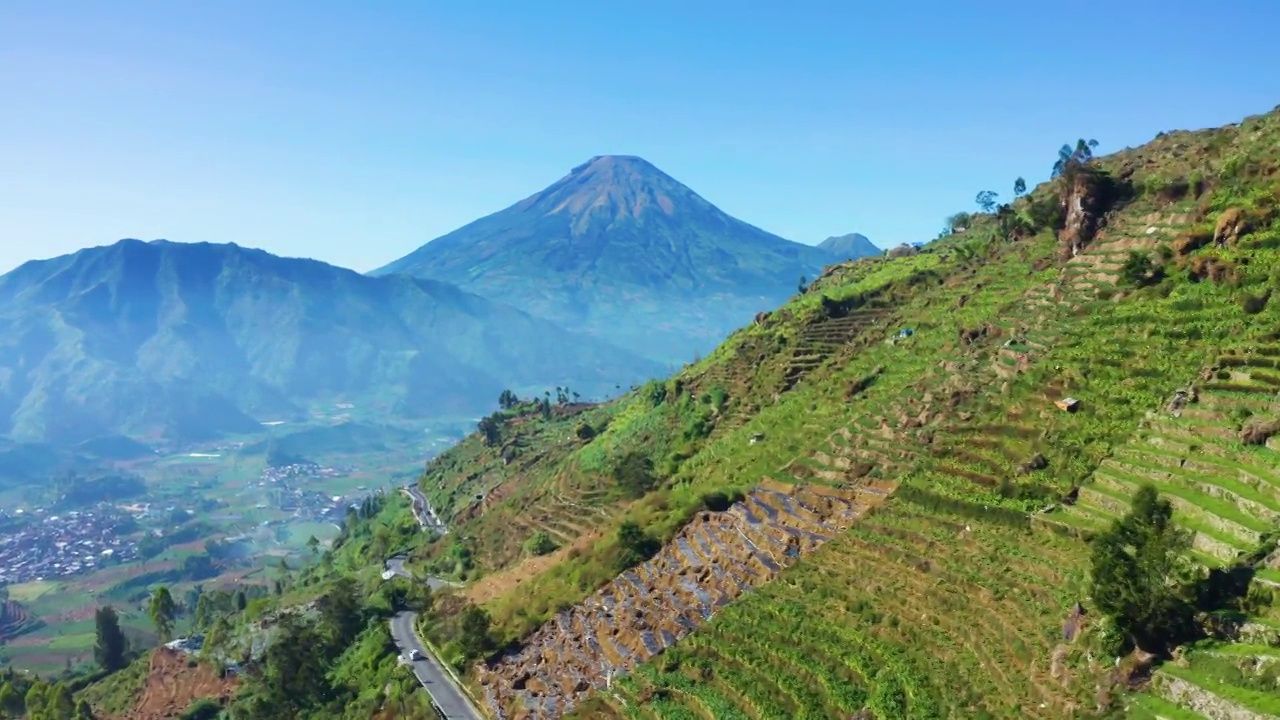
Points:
(119, 326)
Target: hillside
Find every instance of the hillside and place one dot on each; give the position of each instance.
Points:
(855, 517)
(187, 342)
(885, 499)
(619, 249)
(849, 247)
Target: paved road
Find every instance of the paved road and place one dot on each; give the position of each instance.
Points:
(448, 698)
(422, 510)
(396, 566)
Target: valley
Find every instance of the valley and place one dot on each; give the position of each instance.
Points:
(214, 515)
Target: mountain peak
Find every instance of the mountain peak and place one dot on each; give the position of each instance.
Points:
(610, 188)
(853, 245)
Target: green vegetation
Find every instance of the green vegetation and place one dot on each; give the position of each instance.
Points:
(322, 335)
(1056, 458)
(111, 649)
(162, 611)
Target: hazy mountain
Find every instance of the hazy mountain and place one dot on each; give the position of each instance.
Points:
(622, 250)
(186, 341)
(849, 247)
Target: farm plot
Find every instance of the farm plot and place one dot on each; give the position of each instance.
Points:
(713, 560)
(909, 614)
(1210, 455)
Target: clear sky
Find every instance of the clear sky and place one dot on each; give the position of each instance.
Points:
(353, 132)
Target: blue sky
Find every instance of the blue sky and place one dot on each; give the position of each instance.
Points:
(354, 132)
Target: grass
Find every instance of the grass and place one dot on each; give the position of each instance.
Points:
(116, 694)
(955, 596)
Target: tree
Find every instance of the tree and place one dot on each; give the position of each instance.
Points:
(294, 677)
(1071, 160)
(959, 221)
(1138, 578)
(36, 700)
(508, 400)
(986, 200)
(11, 703)
(802, 285)
(241, 601)
(490, 428)
(111, 647)
(162, 612)
(84, 711)
(313, 544)
(1019, 187)
(634, 474)
(61, 704)
(475, 640)
(341, 615)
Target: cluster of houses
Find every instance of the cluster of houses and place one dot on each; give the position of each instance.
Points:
(286, 488)
(46, 546)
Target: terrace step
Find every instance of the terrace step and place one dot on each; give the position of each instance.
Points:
(1176, 686)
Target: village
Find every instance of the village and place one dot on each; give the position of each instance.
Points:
(46, 546)
(285, 485)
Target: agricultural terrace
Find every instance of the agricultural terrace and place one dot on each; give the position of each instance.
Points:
(995, 485)
(1006, 450)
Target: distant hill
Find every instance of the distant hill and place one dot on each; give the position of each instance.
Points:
(849, 247)
(623, 251)
(348, 437)
(188, 342)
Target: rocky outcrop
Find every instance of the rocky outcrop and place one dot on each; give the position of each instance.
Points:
(1085, 199)
(1232, 224)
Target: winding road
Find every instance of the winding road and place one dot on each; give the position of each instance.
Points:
(449, 699)
(422, 510)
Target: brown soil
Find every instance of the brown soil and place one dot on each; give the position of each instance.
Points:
(502, 583)
(173, 685)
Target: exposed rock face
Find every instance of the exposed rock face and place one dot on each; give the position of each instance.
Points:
(1231, 225)
(1083, 205)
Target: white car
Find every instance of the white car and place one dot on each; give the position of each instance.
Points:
(414, 655)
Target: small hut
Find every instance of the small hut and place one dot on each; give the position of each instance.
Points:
(1069, 404)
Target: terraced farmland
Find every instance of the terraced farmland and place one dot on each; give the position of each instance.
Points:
(1193, 451)
(909, 614)
(14, 620)
(716, 558)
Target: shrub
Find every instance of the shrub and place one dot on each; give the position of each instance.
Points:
(203, 709)
(1254, 304)
(540, 543)
(1139, 271)
(720, 501)
(585, 432)
(634, 474)
(634, 546)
